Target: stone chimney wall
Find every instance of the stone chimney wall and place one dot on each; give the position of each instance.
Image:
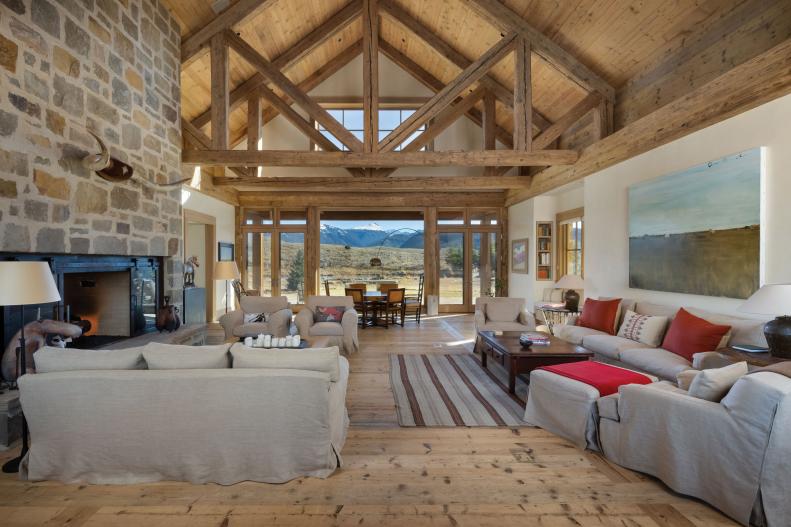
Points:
(111, 66)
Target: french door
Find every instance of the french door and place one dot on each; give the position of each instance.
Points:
(275, 263)
(467, 267)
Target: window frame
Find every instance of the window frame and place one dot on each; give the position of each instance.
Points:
(563, 219)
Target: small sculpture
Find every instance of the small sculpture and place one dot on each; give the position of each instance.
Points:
(168, 317)
(189, 271)
(38, 334)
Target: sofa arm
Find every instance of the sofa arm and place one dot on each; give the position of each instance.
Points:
(480, 318)
(304, 321)
(279, 322)
(709, 359)
(526, 318)
(230, 320)
(608, 407)
(349, 325)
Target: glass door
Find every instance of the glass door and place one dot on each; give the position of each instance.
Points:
(484, 264)
(292, 266)
(452, 265)
(258, 263)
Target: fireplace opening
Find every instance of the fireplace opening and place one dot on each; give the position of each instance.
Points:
(101, 303)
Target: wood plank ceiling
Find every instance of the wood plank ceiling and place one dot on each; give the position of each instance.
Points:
(616, 39)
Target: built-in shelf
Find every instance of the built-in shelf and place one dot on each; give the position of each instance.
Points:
(544, 250)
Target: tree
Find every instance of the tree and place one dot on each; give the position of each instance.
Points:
(296, 272)
(454, 257)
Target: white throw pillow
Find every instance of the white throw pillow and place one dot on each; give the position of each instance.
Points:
(49, 359)
(685, 378)
(176, 357)
(313, 359)
(257, 318)
(714, 384)
(643, 328)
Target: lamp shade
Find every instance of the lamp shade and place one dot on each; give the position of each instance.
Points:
(226, 271)
(24, 283)
(771, 299)
(571, 281)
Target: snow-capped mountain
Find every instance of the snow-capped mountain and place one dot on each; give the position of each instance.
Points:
(364, 236)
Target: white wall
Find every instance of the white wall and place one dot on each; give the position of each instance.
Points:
(195, 245)
(224, 215)
(606, 212)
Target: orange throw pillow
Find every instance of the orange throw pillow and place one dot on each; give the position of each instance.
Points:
(689, 334)
(600, 314)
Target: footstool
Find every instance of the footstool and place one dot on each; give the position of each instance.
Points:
(566, 406)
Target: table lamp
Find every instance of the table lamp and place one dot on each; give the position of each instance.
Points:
(21, 284)
(571, 282)
(774, 299)
(226, 271)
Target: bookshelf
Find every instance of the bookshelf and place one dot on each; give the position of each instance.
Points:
(544, 243)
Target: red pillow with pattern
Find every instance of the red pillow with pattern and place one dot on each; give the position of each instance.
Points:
(328, 313)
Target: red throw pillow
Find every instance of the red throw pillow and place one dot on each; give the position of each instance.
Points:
(689, 334)
(328, 313)
(600, 314)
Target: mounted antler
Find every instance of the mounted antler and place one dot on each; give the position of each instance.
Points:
(107, 167)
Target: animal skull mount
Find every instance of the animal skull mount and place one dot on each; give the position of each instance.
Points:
(107, 167)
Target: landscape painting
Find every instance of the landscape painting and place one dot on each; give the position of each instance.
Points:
(698, 231)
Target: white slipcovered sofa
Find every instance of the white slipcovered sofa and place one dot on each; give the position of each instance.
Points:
(279, 417)
(664, 364)
(735, 454)
(342, 334)
(502, 314)
(277, 308)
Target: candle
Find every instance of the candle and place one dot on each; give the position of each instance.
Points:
(267, 341)
(248, 341)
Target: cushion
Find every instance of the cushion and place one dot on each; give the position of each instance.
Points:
(503, 311)
(601, 315)
(609, 346)
(251, 330)
(328, 313)
(556, 295)
(656, 361)
(713, 384)
(743, 330)
(684, 379)
(327, 329)
(263, 304)
(573, 334)
(643, 328)
(177, 357)
(689, 334)
(254, 318)
(313, 359)
(49, 359)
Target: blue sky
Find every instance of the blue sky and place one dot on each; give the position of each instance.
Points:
(721, 194)
(387, 225)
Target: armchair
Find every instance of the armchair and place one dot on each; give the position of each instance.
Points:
(502, 314)
(277, 325)
(342, 334)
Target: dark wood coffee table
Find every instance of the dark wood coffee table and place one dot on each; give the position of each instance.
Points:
(504, 347)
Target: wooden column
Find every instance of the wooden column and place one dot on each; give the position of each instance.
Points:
(602, 120)
(523, 96)
(219, 92)
(503, 252)
(370, 76)
(489, 125)
(312, 252)
(430, 260)
(255, 128)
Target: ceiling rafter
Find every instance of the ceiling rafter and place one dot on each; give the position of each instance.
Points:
(376, 182)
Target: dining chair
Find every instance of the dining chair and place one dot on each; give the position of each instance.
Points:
(385, 287)
(413, 303)
(327, 287)
(392, 306)
(360, 304)
(358, 286)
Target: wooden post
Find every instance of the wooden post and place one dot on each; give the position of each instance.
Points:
(503, 252)
(489, 124)
(523, 96)
(430, 260)
(219, 92)
(370, 76)
(312, 252)
(255, 129)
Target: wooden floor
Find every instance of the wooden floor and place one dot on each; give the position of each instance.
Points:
(392, 475)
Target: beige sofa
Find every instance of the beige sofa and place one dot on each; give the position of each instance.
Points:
(657, 361)
(342, 334)
(221, 425)
(234, 325)
(502, 314)
(734, 454)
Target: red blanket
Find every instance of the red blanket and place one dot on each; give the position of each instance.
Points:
(603, 377)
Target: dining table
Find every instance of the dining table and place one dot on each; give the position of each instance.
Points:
(372, 298)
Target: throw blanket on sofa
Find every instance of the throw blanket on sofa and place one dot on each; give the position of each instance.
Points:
(605, 378)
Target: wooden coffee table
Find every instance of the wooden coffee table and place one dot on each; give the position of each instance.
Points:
(504, 347)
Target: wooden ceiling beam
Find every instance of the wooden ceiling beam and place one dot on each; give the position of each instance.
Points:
(434, 84)
(448, 94)
(202, 141)
(548, 136)
(376, 183)
(434, 41)
(290, 57)
(192, 45)
(489, 122)
(505, 19)
(370, 75)
(220, 76)
(744, 87)
(284, 84)
(381, 199)
(296, 158)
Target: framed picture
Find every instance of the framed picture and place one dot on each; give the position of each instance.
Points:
(519, 256)
(225, 252)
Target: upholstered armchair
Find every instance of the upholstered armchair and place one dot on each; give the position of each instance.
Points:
(342, 334)
(278, 313)
(502, 314)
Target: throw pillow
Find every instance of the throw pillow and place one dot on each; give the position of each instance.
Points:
(177, 357)
(313, 359)
(256, 318)
(643, 328)
(328, 313)
(601, 315)
(689, 335)
(713, 384)
(685, 378)
(49, 359)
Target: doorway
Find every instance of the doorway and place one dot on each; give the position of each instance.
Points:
(200, 241)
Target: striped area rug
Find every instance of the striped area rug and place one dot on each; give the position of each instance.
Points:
(449, 390)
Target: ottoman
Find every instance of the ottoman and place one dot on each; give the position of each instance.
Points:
(566, 406)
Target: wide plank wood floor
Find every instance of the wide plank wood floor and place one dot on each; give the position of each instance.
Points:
(392, 476)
